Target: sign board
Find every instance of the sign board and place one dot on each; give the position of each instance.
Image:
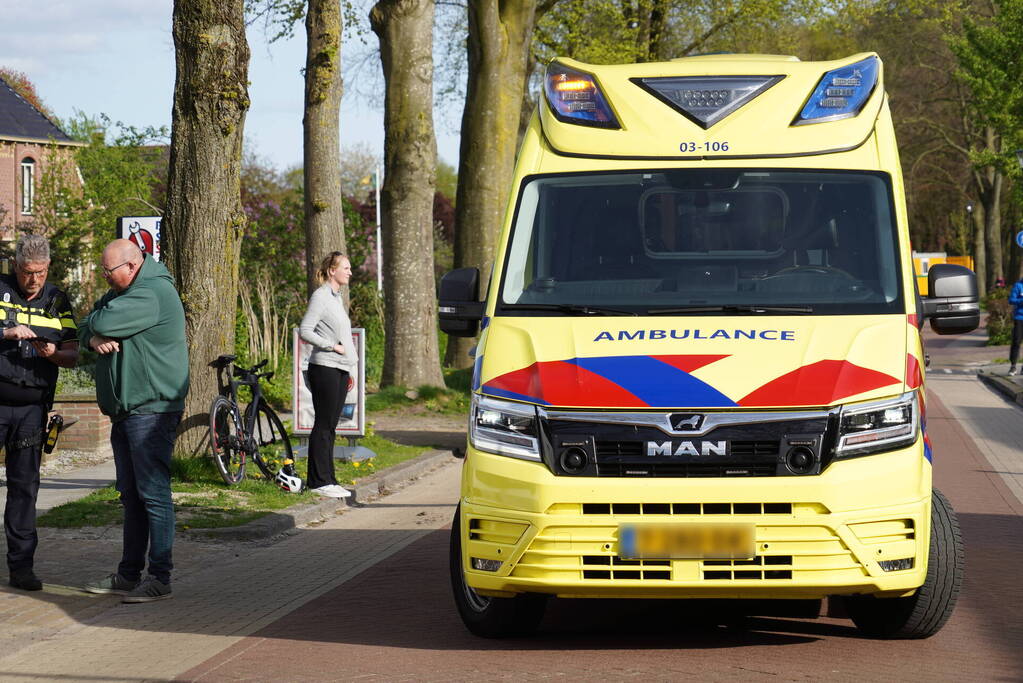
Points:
(1019, 238)
(143, 231)
(353, 413)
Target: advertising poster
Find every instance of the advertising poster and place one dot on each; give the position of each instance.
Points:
(143, 231)
(353, 414)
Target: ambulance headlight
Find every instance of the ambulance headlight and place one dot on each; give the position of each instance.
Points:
(576, 97)
(879, 426)
(504, 428)
(841, 93)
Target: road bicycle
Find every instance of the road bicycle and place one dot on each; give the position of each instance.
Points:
(258, 433)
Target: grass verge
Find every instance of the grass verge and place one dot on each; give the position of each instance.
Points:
(453, 400)
(202, 501)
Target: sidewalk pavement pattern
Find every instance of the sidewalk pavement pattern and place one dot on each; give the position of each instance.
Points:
(227, 590)
(223, 591)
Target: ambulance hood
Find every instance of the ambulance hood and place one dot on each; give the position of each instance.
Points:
(696, 362)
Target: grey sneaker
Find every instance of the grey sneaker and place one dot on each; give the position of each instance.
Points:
(1012, 371)
(150, 589)
(112, 583)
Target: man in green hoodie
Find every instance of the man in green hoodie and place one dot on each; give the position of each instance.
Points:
(138, 330)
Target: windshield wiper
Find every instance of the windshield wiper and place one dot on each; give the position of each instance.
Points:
(568, 308)
(733, 308)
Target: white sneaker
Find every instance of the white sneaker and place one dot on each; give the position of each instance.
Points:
(332, 491)
(1012, 371)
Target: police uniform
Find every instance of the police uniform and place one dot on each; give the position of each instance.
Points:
(27, 385)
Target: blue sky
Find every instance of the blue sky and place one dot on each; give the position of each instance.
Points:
(116, 57)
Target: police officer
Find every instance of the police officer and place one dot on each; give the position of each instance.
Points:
(39, 334)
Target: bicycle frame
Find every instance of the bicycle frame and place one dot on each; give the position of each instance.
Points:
(248, 377)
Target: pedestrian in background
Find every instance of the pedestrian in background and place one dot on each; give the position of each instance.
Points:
(38, 337)
(326, 326)
(138, 330)
(1016, 299)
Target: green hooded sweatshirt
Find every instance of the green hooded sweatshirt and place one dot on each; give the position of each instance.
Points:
(150, 372)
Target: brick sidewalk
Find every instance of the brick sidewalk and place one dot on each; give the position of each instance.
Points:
(222, 591)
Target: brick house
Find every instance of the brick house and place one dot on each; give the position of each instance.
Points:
(27, 139)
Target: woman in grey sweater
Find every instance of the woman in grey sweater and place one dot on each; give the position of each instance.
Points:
(326, 326)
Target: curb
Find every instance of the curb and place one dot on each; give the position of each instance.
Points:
(365, 490)
(1004, 386)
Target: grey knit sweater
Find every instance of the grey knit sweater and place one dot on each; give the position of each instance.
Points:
(326, 324)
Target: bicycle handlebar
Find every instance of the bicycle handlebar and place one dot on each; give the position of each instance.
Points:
(246, 374)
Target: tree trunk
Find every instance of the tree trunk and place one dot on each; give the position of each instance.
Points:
(992, 199)
(498, 46)
(979, 249)
(204, 220)
(324, 214)
(411, 354)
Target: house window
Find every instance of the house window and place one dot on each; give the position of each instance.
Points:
(28, 185)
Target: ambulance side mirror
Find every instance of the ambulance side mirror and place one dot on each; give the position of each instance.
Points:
(952, 305)
(459, 307)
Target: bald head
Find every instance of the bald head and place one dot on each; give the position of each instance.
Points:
(121, 251)
(121, 262)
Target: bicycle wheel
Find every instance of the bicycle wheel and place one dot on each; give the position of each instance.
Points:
(273, 446)
(225, 433)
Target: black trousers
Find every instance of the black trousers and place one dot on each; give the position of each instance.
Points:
(1017, 337)
(328, 387)
(21, 433)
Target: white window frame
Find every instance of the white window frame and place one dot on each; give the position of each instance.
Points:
(28, 186)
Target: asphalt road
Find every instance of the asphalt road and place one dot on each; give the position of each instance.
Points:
(397, 621)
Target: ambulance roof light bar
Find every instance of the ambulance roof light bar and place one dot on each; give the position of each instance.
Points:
(705, 100)
(841, 93)
(576, 97)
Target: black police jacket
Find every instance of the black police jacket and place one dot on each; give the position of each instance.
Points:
(50, 317)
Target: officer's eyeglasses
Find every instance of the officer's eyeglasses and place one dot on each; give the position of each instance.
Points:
(107, 272)
(33, 273)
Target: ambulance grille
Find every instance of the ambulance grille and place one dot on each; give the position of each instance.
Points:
(632, 449)
(610, 453)
(814, 554)
(687, 508)
(760, 567)
(686, 470)
(614, 567)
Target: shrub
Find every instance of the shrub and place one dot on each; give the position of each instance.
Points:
(999, 320)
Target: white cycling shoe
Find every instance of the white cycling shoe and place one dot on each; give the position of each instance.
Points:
(332, 491)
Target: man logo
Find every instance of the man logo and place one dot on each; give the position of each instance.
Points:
(686, 422)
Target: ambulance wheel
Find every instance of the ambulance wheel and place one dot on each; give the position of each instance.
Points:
(490, 617)
(924, 613)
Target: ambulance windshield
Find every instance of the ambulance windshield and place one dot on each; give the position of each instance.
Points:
(757, 241)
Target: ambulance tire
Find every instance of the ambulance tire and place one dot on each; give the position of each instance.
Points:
(490, 617)
(925, 612)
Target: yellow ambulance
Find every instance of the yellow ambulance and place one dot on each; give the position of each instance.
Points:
(699, 372)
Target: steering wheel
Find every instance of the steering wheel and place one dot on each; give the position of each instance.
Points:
(816, 270)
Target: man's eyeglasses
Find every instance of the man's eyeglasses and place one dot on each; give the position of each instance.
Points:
(107, 272)
(33, 273)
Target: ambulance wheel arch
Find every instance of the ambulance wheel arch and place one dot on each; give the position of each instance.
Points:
(922, 614)
(490, 617)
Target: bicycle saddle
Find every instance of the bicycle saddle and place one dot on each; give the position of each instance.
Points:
(222, 361)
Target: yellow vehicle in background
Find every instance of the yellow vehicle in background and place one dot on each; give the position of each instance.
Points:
(923, 260)
(700, 371)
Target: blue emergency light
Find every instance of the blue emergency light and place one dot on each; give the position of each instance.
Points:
(575, 97)
(841, 93)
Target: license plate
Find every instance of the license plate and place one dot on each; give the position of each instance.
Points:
(686, 541)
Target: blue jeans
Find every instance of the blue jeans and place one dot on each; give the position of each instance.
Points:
(142, 446)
